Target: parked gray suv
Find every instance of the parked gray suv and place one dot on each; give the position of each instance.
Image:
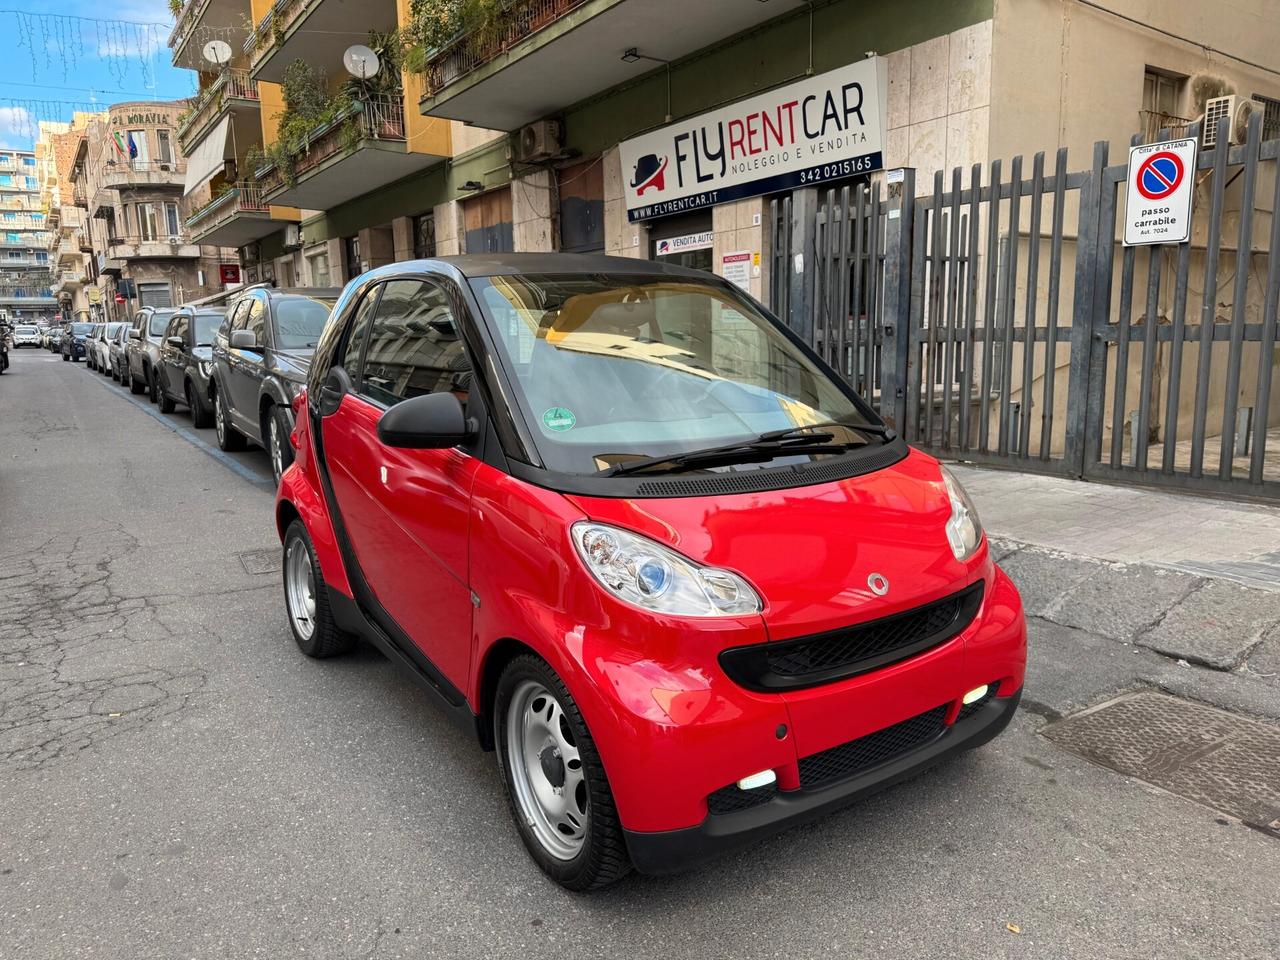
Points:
(143, 351)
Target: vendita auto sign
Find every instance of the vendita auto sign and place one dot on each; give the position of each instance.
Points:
(819, 129)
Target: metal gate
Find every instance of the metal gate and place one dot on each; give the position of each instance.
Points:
(998, 319)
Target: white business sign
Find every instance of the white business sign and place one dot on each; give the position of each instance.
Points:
(821, 128)
(1157, 207)
(669, 246)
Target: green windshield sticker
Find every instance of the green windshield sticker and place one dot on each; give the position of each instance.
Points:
(559, 419)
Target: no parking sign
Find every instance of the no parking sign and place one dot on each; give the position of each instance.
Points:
(1157, 205)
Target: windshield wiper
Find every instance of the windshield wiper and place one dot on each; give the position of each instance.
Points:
(790, 441)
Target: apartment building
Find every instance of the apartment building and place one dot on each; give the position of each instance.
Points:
(69, 246)
(24, 241)
(129, 174)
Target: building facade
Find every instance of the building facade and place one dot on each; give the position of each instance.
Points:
(24, 242)
(128, 172)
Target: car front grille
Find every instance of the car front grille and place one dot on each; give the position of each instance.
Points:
(733, 798)
(882, 746)
(849, 651)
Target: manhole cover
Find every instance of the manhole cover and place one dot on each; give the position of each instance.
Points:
(1216, 758)
(258, 562)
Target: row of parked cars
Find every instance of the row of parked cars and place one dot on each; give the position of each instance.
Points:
(633, 534)
(236, 367)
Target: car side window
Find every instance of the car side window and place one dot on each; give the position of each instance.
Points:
(414, 347)
(241, 315)
(177, 327)
(258, 320)
(353, 351)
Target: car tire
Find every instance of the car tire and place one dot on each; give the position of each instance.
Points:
(528, 687)
(136, 386)
(162, 397)
(306, 600)
(200, 416)
(65, 357)
(277, 437)
(153, 387)
(228, 439)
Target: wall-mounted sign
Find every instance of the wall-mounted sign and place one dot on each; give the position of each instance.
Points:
(669, 246)
(822, 128)
(229, 273)
(1157, 207)
(736, 268)
(144, 119)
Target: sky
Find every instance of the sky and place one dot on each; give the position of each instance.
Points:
(52, 64)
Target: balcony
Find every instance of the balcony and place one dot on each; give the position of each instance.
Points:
(519, 76)
(234, 218)
(233, 93)
(79, 196)
(83, 241)
(26, 263)
(68, 252)
(127, 174)
(330, 171)
(149, 248)
(68, 281)
(318, 31)
(202, 20)
(109, 265)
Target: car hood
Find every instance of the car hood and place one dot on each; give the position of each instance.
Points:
(810, 551)
(292, 364)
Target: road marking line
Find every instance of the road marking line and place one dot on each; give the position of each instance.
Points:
(229, 462)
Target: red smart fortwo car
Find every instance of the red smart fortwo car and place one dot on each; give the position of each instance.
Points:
(645, 545)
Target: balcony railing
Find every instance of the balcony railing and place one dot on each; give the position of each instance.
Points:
(244, 197)
(521, 19)
(134, 247)
(188, 20)
(1153, 121)
(275, 24)
(79, 196)
(377, 118)
(230, 85)
(128, 173)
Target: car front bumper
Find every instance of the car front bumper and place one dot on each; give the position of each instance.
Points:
(657, 852)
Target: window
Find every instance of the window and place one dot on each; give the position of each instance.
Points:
(424, 236)
(12, 238)
(10, 216)
(147, 221)
(163, 148)
(178, 327)
(42, 257)
(413, 346)
(28, 161)
(37, 217)
(299, 320)
(159, 320)
(239, 316)
(124, 218)
(171, 218)
(32, 183)
(1161, 102)
(351, 248)
(258, 320)
(15, 254)
(359, 330)
(6, 179)
(1270, 116)
(137, 142)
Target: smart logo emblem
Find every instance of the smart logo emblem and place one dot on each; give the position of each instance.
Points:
(1160, 175)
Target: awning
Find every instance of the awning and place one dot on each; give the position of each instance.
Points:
(209, 156)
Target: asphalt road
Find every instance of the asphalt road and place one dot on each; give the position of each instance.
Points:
(177, 781)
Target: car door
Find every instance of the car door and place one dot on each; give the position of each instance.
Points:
(171, 364)
(246, 371)
(406, 511)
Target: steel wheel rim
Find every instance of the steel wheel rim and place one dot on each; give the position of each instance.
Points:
(541, 751)
(277, 452)
(300, 588)
(217, 417)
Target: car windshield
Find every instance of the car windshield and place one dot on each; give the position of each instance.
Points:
(27, 330)
(206, 325)
(81, 329)
(159, 321)
(299, 320)
(610, 369)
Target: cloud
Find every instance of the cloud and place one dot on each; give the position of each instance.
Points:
(131, 41)
(16, 124)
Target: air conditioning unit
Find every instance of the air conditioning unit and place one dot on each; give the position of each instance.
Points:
(292, 237)
(252, 252)
(539, 141)
(174, 241)
(1237, 110)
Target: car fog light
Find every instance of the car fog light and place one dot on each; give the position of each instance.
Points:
(976, 694)
(756, 780)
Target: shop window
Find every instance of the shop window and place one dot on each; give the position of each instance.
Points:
(582, 207)
(487, 222)
(684, 240)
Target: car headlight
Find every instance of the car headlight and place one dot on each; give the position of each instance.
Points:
(653, 577)
(964, 529)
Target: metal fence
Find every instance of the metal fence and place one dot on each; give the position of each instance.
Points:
(998, 318)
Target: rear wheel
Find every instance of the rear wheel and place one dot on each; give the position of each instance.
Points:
(166, 404)
(306, 600)
(228, 439)
(153, 387)
(555, 783)
(136, 386)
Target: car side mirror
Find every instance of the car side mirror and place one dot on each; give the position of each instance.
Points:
(337, 384)
(135, 334)
(433, 421)
(175, 342)
(243, 340)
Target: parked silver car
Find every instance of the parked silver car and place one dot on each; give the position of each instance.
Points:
(99, 346)
(117, 362)
(143, 349)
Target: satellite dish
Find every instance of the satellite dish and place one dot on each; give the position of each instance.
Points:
(361, 62)
(217, 51)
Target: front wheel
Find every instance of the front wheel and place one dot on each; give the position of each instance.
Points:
(163, 399)
(278, 442)
(136, 386)
(305, 599)
(555, 783)
(228, 439)
(199, 412)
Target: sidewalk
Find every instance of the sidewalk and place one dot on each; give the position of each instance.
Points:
(1128, 588)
